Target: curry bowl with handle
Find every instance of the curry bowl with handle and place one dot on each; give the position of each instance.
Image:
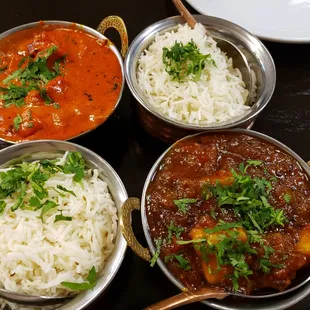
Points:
(262, 299)
(59, 79)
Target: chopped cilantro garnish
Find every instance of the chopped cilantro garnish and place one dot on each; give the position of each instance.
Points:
(75, 163)
(60, 217)
(65, 190)
(35, 202)
(172, 229)
(20, 200)
(2, 206)
(158, 244)
(46, 206)
(183, 262)
(39, 190)
(87, 285)
(222, 226)
(183, 204)
(33, 76)
(183, 60)
(248, 198)
(11, 181)
(17, 121)
(287, 197)
(50, 166)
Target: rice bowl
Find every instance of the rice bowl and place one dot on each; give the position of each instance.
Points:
(217, 96)
(112, 192)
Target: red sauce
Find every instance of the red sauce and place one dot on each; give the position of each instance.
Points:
(211, 157)
(83, 95)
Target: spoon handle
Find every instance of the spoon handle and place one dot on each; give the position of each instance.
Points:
(188, 297)
(185, 13)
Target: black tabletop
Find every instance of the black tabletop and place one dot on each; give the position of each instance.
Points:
(132, 152)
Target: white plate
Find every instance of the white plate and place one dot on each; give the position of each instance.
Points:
(274, 20)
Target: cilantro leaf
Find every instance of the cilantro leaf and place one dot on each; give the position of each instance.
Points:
(39, 190)
(20, 199)
(255, 162)
(183, 262)
(158, 244)
(11, 181)
(75, 163)
(35, 202)
(60, 217)
(50, 166)
(174, 229)
(183, 204)
(2, 206)
(191, 241)
(38, 176)
(46, 206)
(222, 226)
(17, 121)
(66, 190)
(87, 285)
(287, 197)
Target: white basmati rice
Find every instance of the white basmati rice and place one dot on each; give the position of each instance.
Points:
(218, 96)
(36, 256)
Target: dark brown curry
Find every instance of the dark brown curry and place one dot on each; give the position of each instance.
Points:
(230, 210)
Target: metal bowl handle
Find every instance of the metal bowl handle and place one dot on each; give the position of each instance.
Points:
(117, 23)
(125, 221)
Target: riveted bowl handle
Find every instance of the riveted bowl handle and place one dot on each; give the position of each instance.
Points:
(125, 221)
(117, 23)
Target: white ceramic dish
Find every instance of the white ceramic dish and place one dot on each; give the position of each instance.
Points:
(276, 20)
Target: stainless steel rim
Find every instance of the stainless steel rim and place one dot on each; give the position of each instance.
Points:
(170, 23)
(89, 30)
(287, 301)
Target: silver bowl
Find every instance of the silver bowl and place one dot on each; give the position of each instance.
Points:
(50, 149)
(108, 22)
(228, 303)
(258, 57)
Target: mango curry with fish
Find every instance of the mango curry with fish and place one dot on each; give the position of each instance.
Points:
(55, 83)
(232, 211)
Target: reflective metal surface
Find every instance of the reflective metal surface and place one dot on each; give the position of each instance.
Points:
(50, 149)
(282, 300)
(258, 57)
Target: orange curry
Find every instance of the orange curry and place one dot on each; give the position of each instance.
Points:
(55, 83)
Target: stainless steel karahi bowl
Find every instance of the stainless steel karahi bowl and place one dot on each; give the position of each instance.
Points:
(50, 149)
(258, 57)
(228, 303)
(108, 22)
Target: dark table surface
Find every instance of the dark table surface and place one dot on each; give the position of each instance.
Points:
(132, 152)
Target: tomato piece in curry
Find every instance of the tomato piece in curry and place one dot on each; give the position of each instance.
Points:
(55, 83)
(230, 210)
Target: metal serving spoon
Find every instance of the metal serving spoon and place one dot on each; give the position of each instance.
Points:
(191, 296)
(231, 50)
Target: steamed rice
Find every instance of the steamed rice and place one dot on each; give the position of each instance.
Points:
(218, 96)
(36, 256)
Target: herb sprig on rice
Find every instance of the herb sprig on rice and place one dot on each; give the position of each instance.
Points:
(58, 226)
(186, 77)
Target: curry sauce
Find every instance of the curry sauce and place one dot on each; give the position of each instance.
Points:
(55, 83)
(230, 210)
